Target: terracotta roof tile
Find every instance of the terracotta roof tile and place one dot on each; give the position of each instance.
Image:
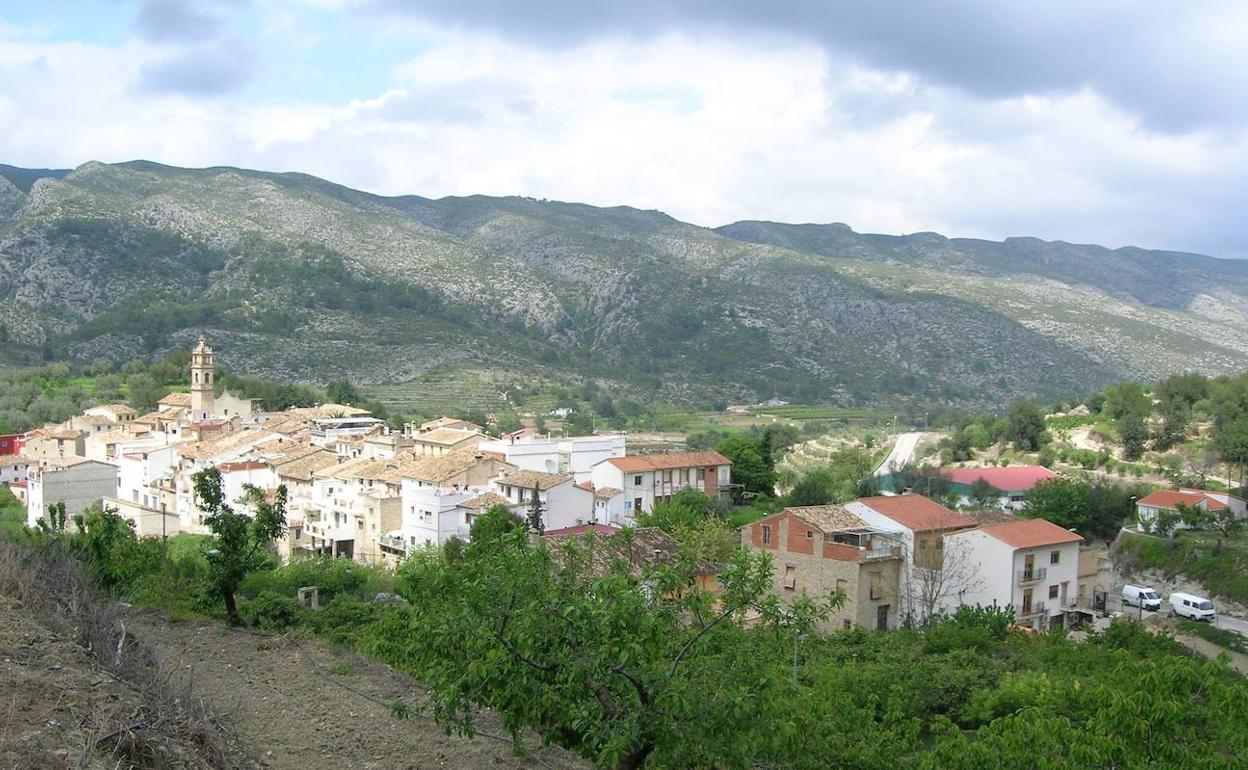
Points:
(1031, 533)
(1168, 498)
(1013, 478)
(634, 463)
(917, 513)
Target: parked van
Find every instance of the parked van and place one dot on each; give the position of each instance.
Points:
(1191, 606)
(1140, 596)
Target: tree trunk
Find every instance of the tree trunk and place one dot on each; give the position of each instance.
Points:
(231, 609)
(635, 758)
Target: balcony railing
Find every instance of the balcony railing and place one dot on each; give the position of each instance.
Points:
(1032, 575)
(1037, 608)
(393, 542)
(885, 552)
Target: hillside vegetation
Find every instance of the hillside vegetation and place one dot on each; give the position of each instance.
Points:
(297, 278)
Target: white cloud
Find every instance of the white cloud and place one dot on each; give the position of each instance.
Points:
(710, 130)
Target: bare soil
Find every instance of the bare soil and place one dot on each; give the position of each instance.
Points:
(300, 705)
(289, 704)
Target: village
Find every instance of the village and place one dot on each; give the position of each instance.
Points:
(360, 490)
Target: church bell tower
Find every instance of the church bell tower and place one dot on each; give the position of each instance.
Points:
(202, 371)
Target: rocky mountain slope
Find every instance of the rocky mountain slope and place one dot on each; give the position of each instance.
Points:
(297, 277)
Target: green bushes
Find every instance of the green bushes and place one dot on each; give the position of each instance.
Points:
(330, 576)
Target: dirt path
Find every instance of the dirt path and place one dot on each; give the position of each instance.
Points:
(1239, 662)
(296, 719)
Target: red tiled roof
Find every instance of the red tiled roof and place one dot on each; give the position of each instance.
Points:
(917, 513)
(1168, 498)
(633, 463)
(1030, 533)
(581, 529)
(1014, 478)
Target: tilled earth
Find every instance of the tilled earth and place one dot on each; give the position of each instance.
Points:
(288, 704)
(300, 705)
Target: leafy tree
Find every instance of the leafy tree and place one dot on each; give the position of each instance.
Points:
(708, 541)
(144, 392)
(627, 670)
(1112, 506)
(342, 392)
(1176, 413)
(985, 495)
(688, 507)
(1025, 427)
(1066, 502)
(1128, 400)
(241, 542)
(1134, 435)
(752, 471)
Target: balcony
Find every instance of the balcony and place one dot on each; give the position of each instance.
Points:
(877, 554)
(1036, 609)
(392, 543)
(1033, 575)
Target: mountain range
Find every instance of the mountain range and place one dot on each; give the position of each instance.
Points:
(295, 277)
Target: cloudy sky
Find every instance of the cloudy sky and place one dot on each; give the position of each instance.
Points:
(1116, 122)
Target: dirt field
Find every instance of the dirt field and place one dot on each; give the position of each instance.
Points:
(294, 718)
(55, 700)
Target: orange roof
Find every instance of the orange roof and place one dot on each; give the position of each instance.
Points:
(917, 513)
(1168, 498)
(1030, 533)
(633, 463)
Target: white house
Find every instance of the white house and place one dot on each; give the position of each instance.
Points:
(1031, 565)
(1149, 506)
(647, 479)
(575, 455)
(13, 468)
(564, 503)
(921, 525)
(75, 481)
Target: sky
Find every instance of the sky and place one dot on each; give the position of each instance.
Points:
(1119, 122)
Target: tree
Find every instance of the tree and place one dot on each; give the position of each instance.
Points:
(1127, 400)
(687, 507)
(1176, 414)
(1226, 522)
(1025, 427)
(752, 472)
(144, 392)
(937, 581)
(626, 669)
(984, 494)
(240, 542)
(533, 520)
(342, 392)
(1066, 502)
(1134, 434)
(838, 482)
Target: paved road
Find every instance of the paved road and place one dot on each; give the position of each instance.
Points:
(1223, 621)
(902, 454)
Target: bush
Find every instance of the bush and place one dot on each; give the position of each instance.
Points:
(331, 577)
(273, 612)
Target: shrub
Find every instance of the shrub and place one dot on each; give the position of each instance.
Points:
(331, 577)
(273, 612)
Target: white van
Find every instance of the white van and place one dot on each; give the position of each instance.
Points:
(1140, 596)
(1191, 606)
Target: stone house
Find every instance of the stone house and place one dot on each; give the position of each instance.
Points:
(821, 548)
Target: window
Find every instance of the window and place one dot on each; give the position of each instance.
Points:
(940, 544)
(877, 586)
(847, 624)
(766, 534)
(790, 577)
(636, 481)
(1055, 557)
(810, 534)
(1052, 592)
